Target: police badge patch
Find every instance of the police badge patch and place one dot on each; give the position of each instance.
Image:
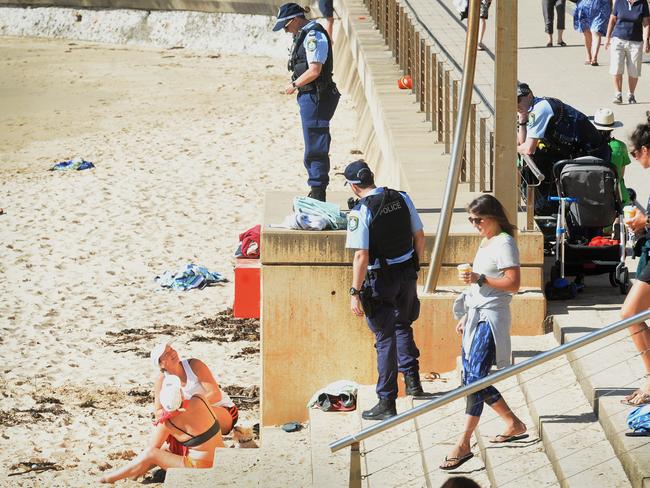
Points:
(353, 223)
(311, 44)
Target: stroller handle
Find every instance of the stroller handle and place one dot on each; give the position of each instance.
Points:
(566, 199)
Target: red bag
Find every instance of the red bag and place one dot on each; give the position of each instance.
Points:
(250, 242)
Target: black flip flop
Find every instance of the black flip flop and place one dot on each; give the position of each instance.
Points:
(638, 433)
(458, 462)
(508, 438)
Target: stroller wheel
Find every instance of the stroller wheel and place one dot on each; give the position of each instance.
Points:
(612, 279)
(624, 281)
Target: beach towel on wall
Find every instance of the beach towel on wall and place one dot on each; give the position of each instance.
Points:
(250, 242)
(189, 277)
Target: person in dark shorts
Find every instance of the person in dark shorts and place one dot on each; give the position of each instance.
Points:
(638, 298)
(326, 8)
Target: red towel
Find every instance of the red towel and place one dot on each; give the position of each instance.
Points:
(250, 242)
(603, 241)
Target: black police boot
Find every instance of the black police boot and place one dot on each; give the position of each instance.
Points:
(414, 387)
(317, 193)
(385, 409)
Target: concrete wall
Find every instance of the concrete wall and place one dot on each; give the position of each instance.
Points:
(261, 7)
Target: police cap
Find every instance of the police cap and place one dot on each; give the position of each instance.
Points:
(523, 89)
(287, 12)
(358, 173)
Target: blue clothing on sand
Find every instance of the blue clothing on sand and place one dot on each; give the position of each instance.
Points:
(592, 15)
(189, 277)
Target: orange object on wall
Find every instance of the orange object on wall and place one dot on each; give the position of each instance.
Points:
(405, 82)
(247, 289)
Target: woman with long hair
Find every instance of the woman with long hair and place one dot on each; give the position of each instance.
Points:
(484, 313)
(638, 298)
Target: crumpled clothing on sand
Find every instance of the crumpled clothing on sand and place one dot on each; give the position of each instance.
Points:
(189, 277)
(76, 163)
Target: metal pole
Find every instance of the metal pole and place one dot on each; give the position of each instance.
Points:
(458, 148)
(489, 380)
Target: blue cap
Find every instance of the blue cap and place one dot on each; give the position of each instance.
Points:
(358, 172)
(523, 89)
(287, 12)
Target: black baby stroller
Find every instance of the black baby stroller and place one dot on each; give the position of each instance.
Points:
(588, 192)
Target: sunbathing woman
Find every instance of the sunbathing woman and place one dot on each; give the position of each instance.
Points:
(196, 379)
(192, 423)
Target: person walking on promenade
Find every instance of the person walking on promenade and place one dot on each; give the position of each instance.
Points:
(484, 313)
(387, 234)
(483, 15)
(326, 8)
(567, 131)
(548, 7)
(311, 63)
(638, 298)
(590, 18)
(604, 121)
(629, 26)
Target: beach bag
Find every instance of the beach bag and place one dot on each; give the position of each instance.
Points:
(330, 213)
(342, 402)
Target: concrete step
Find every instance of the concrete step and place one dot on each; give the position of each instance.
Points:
(331, 469)
(437, 433)
(518, 463)
(392, 458)
(607, 371)
(571, 435)
(282, 460)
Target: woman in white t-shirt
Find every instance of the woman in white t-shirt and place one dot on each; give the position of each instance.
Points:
(196, 379)
(484, 313)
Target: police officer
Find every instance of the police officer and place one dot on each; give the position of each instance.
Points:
(386, 231)
(567, 131)
(311, 65)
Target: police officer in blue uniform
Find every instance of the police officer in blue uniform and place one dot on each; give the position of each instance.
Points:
(568, 132)
(311, 65)
(387, 234)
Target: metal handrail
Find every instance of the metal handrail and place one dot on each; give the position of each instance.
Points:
(487, 381)
(533, 169)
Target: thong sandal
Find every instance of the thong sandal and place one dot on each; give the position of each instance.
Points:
(643, 399)
(638, 433)
(457, 462)
(502, 438)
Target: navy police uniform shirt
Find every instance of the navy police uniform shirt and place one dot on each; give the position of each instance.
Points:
(358, 235)
(315, 45)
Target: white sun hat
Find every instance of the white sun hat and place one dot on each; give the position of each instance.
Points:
(156, 352)
(170, 395)
(603, 119)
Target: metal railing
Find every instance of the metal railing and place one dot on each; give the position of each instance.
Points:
(436, 84)
(354, 440)
(527, 189)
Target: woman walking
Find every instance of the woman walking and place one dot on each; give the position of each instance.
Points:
(628, 32)
(638, 298)
(549, 8)
(590, 18)
(484, 313)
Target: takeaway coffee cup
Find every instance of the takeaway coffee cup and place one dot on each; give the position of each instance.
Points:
(464, 269)
(629, 212)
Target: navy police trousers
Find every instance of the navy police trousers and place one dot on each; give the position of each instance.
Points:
(315, 115)
(399, 307)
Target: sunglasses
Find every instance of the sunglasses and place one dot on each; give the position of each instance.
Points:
(288, 23)
(475, 220)
(634, 152)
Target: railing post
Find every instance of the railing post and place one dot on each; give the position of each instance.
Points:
(530, 207)
(441, 102)
(417, 81)
(355, 466)
(429, 77)
(472, 148)
(424, 82)
(447, 112)
(481, 155)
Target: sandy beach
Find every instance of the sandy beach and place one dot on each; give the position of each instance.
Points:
(185, 144)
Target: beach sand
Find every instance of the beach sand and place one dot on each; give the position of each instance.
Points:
(185, 145)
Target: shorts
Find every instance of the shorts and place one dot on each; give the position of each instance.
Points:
(326, 8)
(626, 53)
(234, 413)
(485, 8)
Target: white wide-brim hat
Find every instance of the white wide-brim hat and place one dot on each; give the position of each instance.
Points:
(157, 351)
(170, 395)
(603, 119)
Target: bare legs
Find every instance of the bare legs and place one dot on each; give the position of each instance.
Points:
(480, 37)
(514, 426)
(631, 83)
(560, 39)
(594, 58)
(637, 300)
(588, 39)
(618, 86)
(143, 462)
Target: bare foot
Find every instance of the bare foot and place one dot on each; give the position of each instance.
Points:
(457, 456)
